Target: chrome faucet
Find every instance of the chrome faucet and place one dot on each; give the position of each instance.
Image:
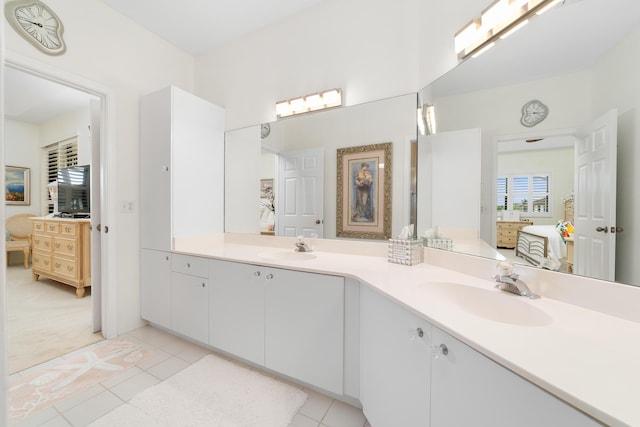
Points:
(301, 246)
(509, 281)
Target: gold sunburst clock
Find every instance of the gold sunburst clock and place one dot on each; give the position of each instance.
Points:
(38, 24)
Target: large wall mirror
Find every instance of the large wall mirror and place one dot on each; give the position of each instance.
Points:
(281, 177)
(486, 178)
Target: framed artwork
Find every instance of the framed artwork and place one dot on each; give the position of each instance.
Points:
(17, 185)
(267, 206)
(364, 192)
(266, 188)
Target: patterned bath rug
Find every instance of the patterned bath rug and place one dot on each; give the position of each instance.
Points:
(211, 392)
(54, 381)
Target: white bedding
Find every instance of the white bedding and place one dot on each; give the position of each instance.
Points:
(557, 248)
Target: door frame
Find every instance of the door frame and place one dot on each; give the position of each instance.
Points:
(107, 169)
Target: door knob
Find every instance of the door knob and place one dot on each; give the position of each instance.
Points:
(317, 221)
(617, 229)
(99, 227)
(602, 229)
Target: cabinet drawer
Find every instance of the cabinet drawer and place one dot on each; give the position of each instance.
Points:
(52, 227)
(186, 264)
(69, 229)
(41, 261)
(65, 267)
(38, 226)
(41, 242)
(65, 246)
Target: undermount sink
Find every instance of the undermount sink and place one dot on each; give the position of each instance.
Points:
(491, 304)
(287, 255)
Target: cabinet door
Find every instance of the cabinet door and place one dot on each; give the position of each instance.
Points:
(236, 301)
(155, 295)
(190, 306)
(155, 170)
(469, 389)
(395, 358)
(304, 327)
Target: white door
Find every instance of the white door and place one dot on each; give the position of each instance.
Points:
(300, 193)
(595, 198)
(96, 193)
(456, 190)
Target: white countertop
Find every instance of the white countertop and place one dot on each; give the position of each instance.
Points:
(587, 358)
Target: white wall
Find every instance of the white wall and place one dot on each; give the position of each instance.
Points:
(74, 124)
(109, 50)
(368, 48)
(22, 149)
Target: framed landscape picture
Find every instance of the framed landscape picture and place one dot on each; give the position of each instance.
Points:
(17, 185)
(364, 192)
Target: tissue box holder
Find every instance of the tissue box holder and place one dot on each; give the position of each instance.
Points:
(446, 244)
(405, 251)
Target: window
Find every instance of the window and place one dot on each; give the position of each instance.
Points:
(59, 155)
(529, 194)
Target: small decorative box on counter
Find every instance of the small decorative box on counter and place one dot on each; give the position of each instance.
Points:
(446, 244)
(405, 251)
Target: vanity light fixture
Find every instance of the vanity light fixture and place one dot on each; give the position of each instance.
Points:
(427, 119)
(314, 102)
(499, 20)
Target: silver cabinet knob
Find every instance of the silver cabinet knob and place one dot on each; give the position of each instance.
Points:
(256, 274)
(269, 276)
(439, 351)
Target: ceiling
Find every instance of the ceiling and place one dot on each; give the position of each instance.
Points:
(194, 26)
(197, 26)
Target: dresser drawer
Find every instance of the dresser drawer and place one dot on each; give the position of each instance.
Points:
(65, 246)
(65, 267)
(186, 264)
(504, 234)
(42, 242)
(52, 227)
(41, 261)
(38, 226)
(69, 229)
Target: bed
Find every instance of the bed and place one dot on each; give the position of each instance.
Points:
(544, 245)
(541, 245)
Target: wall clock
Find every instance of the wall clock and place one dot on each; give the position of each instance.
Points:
(533, 112)
(265, 130)
(37, 24)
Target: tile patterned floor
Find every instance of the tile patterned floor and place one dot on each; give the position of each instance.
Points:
(170, 355)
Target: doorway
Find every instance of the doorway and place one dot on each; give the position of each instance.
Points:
(42, 115)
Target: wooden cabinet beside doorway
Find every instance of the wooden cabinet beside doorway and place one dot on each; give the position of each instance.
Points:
(62, 251)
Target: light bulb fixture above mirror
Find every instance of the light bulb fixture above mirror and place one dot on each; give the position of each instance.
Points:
(305, 104)
(499, 20)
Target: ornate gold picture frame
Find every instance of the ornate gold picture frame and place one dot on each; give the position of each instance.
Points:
(364, 192)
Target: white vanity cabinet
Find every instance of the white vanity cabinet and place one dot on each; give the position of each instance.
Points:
(190, 296)
(155, 287)
(236, 305)
(181, 167)
(395, 363)
(304, 327)
(289, 321)
(469, 389)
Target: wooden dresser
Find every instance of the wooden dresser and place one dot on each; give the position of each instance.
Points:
(507, 232)
(62, 251)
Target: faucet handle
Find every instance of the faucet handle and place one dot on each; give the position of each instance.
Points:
(505, 268)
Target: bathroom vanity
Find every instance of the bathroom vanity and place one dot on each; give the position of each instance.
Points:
(421, 345)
